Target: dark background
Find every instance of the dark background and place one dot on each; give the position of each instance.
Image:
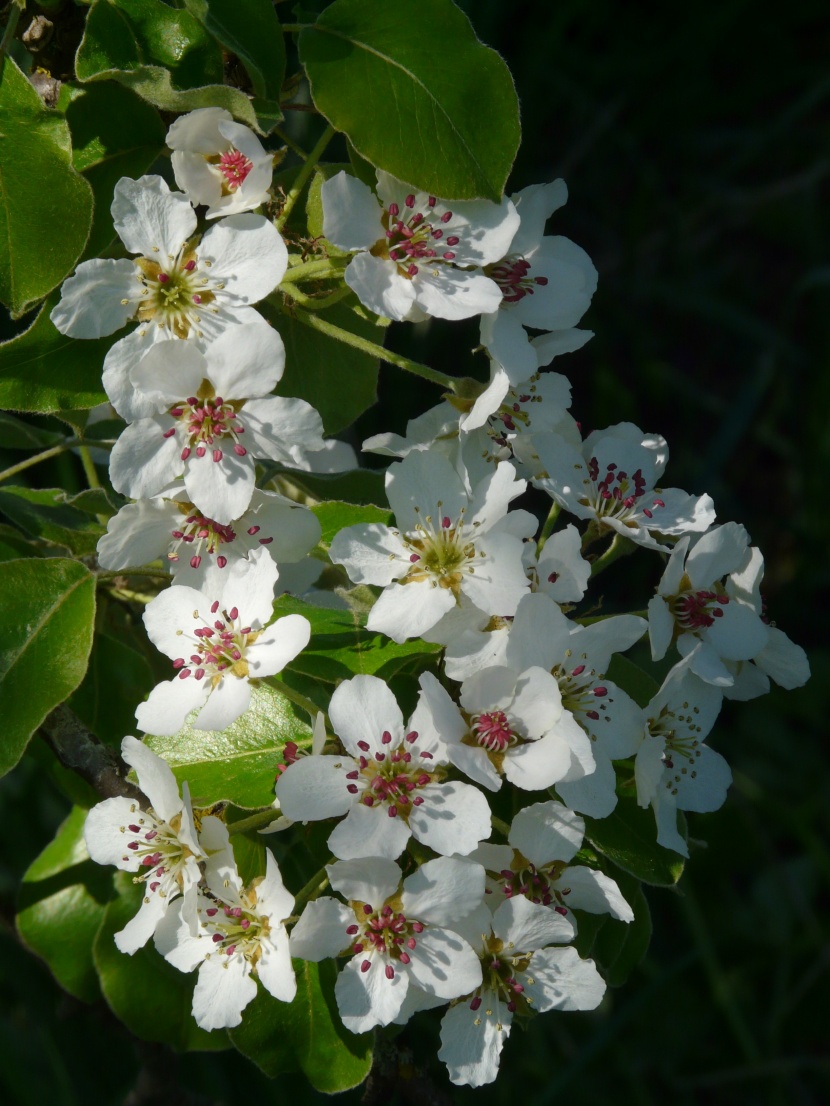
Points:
(695, 142)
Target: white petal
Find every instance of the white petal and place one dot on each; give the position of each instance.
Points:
(369, 831)
(702, 788)
(564, 982)
(379, 286)
(452, 819)
(443, 890)
(547, 831)
(138, 931)
(105, 833)
(594, 794)
(595, 892)
(537, 703)
(472, 1040)
(372, 881)
(223, 990)
(154, 778)
(91, 303)
(175, 941)
(370, 553)
(366, 999)
(455, 294)
(716, 554)
(149, 218)
(247, 359)
(227, 701)
(548, 346)
(315, 787)
(739, 634)
(508, 344)
(274, 966)
(122, 358)
(361, 710)
(283, 429)
(321, 930)
(169, 704)
(248, 254)
(783, 660)
(443, 964)
(527, 926)
(351, 213)
(476, 764)
(143, 462)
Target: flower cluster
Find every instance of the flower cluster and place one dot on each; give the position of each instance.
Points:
(435, 901)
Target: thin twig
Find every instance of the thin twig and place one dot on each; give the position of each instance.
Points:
(78, 749)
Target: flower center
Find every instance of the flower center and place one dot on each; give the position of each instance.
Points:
(234, 167)
(492, 731)
(681, 734)
(202, 535)
(697, 610)
(175, 294)
(539, 885)
(234, 928)
(511, 275)
(218, 648)
(392, 775)
(582, 691)
(499, 969)
(202, 421)
(157, 846)
(443, 554)
(414, 235)
(385, 931)
(617, 494)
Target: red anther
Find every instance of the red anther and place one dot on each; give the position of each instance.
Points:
(446, 522)
(448, 255)
(352, 788)
(185, 672)
(240, 450)
(221, 561)
(367, 909)
(185, 453)
(394, 210)
(169, 433)
(445, 218)
(351, 930)
(561, 910)
(163, 278)
(417, 927)
(600, 692)
(217, 454)
(414, 558)
(392, 812)
(177, 663)
(389, 971)
(214, 607)
(265, 541)
(593, 714)
(195, 561)
(475, 1003)
(386, 737)
(200, 451)
(197, 299)
(253, 530)
(364, 745)
(580, 668)
(366, 965)
(198, 674)
(190, 266)
(410, 200)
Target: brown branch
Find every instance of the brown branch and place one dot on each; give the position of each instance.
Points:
(80, 750)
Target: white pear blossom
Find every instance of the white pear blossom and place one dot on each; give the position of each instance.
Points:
(239, 936)
(205, 406)
(476, 440)
(218, 642)
(546, 283)
(612, 482)
(178, 286)
(418, 255)
(159, 842)
(191, 544)
(695, 610)
(560, 570)
(510, 724)
(521, 974)
(543, 839)
(448, 543)
(674, 769)
(218, 162)
(388, 783)
(400, 937)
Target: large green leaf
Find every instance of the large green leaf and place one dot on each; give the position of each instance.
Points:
(162, 53)
(305, 1034)
(43, 370)
(114, 134)
(334, 516)
(337, 379)
(627, 838)
(44, 513)
(152, 998)
(250, 29)
(341, 646)
(414, 68)
(47, 611)
(17, 434)
(117, 679)
(45, 206)
(238, 764)
(61, 905)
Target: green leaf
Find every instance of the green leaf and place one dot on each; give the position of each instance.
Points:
(358, 486)
(627, 838)
(240, 763)
(114, 134)
(150, 996)
(337, 379)
(621, 946)
(306, 1034)
(250, 30)
(639, 684)
(314, 206)
(47, 611)
(376, 77)
(61, 905)
(13, 545)
(333, 516)
(43, 370)
(162, 53)
(45, 206)
(341, 646)
(16, 434)
(44, 513)
(118, 677)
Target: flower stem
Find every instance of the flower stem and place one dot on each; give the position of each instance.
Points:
(316, 303)
(374, 350)
(501, 826)
(305, 172)
(8, 34)
(290, 143)
(21, 466)
(318, 882)
(311, 709)
(547, 527)
(321, 269)
(254, 821)
(619, 547)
